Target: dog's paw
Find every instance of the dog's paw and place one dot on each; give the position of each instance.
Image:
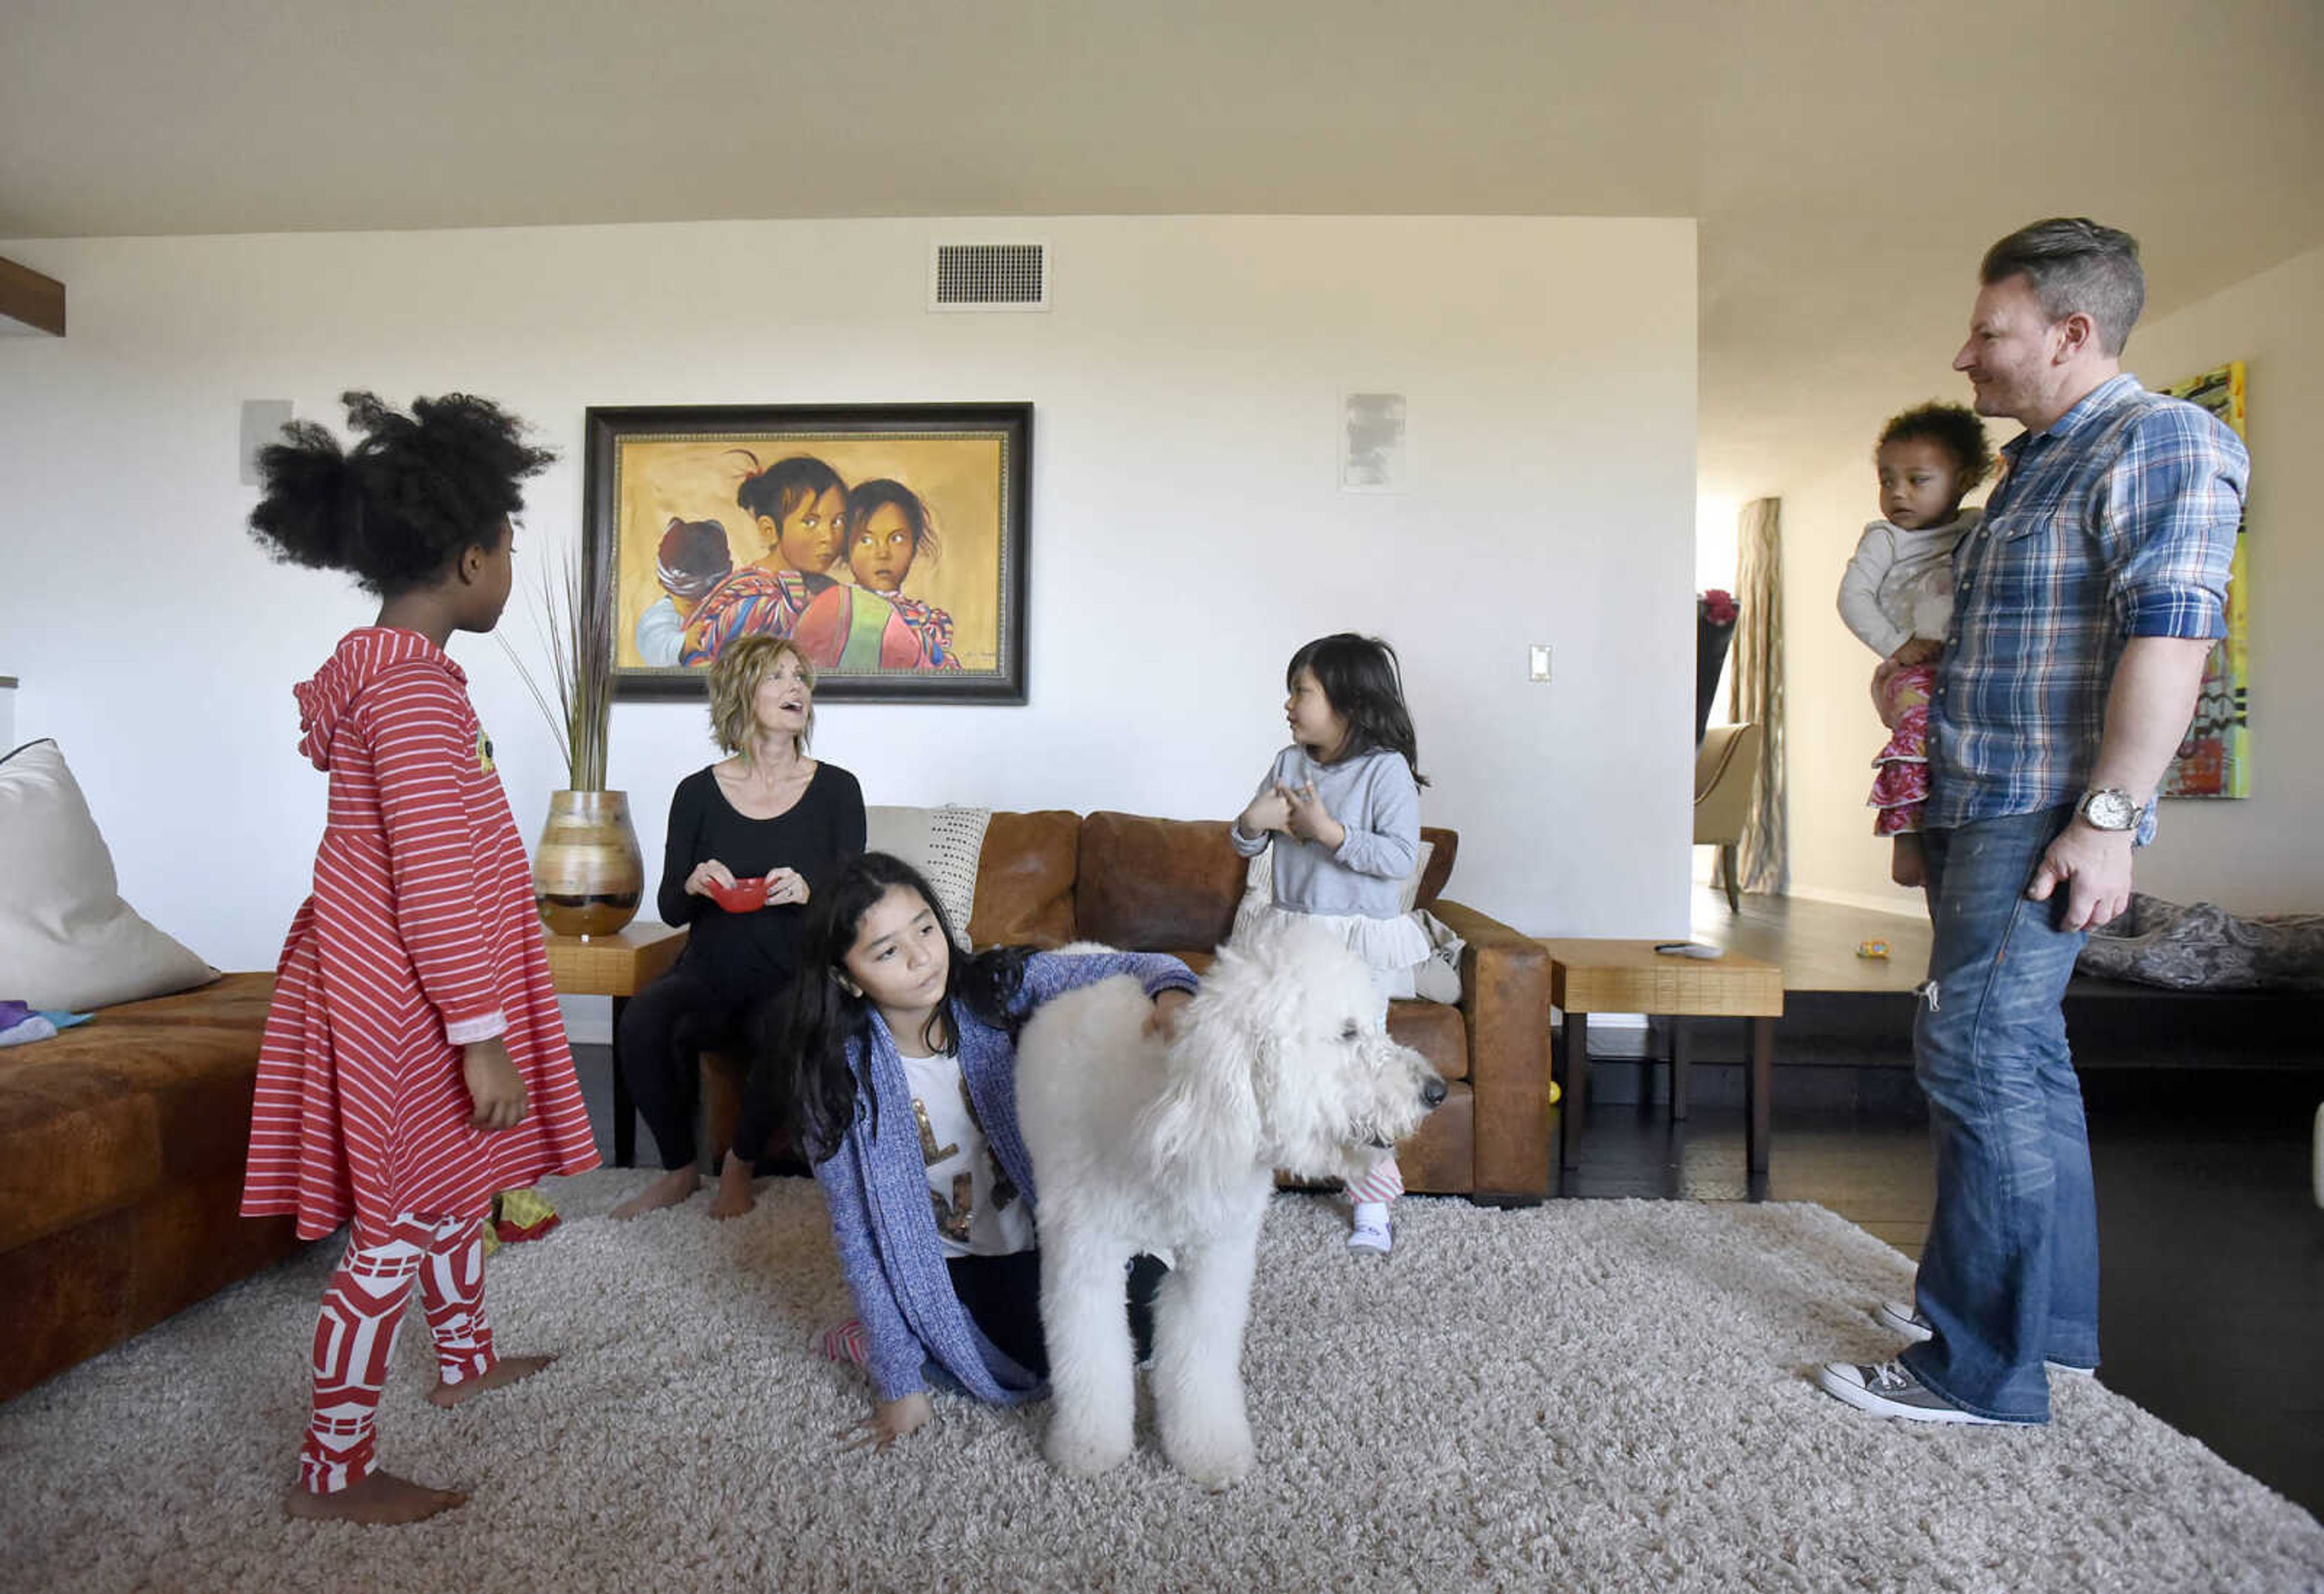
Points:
(1215, 1469)
(1217, 1454)
(1078, 1453)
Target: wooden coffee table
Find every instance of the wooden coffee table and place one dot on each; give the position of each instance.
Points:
(619, 966)
(1588, 977)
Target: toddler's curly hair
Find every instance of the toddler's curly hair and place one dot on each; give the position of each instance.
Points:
(1954, 428)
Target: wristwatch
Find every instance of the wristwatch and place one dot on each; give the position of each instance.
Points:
(2108, 808)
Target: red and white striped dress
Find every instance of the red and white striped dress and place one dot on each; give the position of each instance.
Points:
(420, 938)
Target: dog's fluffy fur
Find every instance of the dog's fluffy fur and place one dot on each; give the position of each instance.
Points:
(1281, 1061)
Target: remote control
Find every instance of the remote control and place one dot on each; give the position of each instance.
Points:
(1690, 948)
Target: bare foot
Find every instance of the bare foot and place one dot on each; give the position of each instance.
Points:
(508, 1370)
(668, 1191)
(1904, 865)
(732, 1197)
(380, 1500)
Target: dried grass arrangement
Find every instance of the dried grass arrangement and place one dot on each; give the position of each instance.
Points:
(573, 621)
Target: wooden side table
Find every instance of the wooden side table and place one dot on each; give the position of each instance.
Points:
(1588, 976)
(619, 966)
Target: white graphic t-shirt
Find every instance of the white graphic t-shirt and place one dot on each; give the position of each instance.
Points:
(978, 1211)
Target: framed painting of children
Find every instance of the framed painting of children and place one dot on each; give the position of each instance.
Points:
(887, 541)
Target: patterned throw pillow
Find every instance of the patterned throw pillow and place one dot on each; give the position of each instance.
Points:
(944, 844)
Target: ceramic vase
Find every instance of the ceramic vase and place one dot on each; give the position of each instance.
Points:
(587, 873)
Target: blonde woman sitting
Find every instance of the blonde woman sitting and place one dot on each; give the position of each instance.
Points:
(751, 840)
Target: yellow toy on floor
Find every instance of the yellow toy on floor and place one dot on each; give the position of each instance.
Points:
(518, 1215)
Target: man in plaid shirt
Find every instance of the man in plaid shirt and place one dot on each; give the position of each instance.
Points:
(2084, 608)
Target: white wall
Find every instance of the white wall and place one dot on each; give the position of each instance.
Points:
(2260, 855)
(2254, 856)
(1187, 529)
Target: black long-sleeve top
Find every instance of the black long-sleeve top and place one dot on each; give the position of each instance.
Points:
(750, 957)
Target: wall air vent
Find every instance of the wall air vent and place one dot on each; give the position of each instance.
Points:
(989, 276)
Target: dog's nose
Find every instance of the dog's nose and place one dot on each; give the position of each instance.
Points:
(1433, 1093)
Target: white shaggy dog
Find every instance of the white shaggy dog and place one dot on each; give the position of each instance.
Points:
(1140, 1144)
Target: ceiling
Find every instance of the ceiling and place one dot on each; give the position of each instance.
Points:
(1847, 160)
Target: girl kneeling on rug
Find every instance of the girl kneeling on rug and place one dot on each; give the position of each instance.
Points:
(414, 1062)
(900, 1060)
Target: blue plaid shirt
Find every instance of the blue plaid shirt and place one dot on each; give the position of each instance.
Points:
(2119, 521)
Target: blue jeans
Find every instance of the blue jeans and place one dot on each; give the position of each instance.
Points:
(2009, 1276)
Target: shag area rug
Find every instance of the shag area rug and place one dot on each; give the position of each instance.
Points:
(1588, 1395)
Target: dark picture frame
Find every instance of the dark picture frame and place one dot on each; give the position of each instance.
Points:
(888, 540)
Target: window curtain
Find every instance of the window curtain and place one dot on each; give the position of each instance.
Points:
(1756, 694)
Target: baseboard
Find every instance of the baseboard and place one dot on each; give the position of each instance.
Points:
(1613, 1035)
(588, 1020)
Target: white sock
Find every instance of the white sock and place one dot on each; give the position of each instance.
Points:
(1370, 1229)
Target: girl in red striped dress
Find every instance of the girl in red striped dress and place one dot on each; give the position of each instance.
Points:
(414, 1062)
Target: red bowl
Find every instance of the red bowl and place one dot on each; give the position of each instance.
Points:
(744, 896)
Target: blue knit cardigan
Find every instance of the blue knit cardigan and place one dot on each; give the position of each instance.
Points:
(877, 1188)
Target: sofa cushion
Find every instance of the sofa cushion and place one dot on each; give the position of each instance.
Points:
(73, 1144)
(1441, 1158)
(1149, 885)
(145, 1094)
(1025, 880)
(66, 940)
(1437, 1032)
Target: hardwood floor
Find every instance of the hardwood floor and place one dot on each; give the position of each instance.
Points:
(1816, 941)
(1875, 1170)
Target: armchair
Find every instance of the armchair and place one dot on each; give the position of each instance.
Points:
(1726, 768)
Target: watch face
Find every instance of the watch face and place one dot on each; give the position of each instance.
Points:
(2109, 809)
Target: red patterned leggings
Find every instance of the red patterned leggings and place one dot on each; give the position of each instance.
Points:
(354, 1340)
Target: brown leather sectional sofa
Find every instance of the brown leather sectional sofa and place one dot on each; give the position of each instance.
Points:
(121, 1156)
(1172, 885)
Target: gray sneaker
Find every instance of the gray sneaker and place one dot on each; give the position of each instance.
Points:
(1890, 1390)
(1899, 1317)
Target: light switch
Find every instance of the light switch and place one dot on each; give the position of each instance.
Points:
(1540, 669)
(262, 421)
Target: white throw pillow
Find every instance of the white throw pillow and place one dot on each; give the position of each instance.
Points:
(66, 940)
(944, 844)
